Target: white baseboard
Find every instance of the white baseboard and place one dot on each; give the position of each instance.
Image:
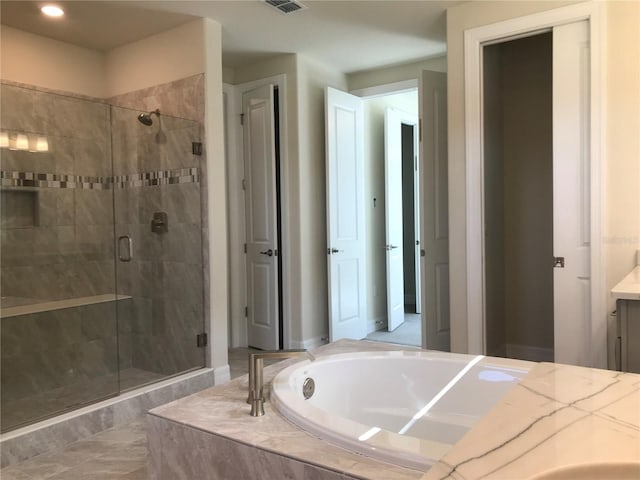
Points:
(310, 343)
(221, 375)
(528, 352)
(375, 324)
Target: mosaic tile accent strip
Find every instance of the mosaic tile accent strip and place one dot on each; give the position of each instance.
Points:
(161, 177)
(55, 180)
(52, 180)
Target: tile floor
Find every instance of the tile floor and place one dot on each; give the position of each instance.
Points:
(119, 453)
(409, 333)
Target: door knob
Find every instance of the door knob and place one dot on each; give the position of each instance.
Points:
(269, 253)
(558, 262)
(390, 247)
(332, 250)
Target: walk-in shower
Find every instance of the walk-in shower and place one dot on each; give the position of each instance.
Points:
(99, 295)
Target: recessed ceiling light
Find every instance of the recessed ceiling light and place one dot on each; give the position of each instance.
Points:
(52, 11)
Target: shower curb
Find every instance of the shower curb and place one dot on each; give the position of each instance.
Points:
(57, 432)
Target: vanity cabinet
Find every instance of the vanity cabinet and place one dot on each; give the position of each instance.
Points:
(628, 341)
(627, 297)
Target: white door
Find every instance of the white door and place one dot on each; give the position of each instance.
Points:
(346, 261)
(571, 193)
(393, 217)
(435, 227)
(261, 227)
(416, 215)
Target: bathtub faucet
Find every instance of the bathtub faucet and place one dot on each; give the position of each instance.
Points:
(256, 386)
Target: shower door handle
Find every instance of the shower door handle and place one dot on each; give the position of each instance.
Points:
(125, 247)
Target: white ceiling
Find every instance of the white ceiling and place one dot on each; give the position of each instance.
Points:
(349, 35)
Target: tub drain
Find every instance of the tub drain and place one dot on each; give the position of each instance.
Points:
(308, 387)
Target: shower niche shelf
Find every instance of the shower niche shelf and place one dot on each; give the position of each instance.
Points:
(19, 208)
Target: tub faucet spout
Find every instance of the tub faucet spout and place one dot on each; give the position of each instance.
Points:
(256, 385)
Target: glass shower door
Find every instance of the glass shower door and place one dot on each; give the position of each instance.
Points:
(159, 266)
(58, 325)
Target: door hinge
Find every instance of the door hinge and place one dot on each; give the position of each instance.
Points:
(422, 252)
(420, 130)
(242, 119)
(246, 312)
(245, 248)
(244, 184)
(196, 148)
(201, 340)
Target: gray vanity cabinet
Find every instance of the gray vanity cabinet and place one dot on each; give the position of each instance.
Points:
(628, 341)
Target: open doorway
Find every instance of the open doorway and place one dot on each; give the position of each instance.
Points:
(392, 217)
(518, 198)
(357, 203)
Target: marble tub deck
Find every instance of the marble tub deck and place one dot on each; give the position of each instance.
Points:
(558, 415)
(211, 435)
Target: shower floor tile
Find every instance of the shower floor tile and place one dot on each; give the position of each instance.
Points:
(119, 453)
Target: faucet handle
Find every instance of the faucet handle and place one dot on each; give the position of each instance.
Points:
(256, 384)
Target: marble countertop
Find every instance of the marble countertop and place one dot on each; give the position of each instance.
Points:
(629, 286)
(557, 415)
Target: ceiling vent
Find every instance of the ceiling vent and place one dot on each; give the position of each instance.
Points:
(286, 6)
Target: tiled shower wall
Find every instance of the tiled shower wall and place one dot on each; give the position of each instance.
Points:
(61, 246)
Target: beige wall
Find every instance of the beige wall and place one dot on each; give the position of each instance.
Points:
(374, 187)
(398, 73)
(622, 222)
(161, 58)
(622, 150)
(217, 194)
(35, 60)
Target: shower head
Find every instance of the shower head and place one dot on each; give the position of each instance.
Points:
(145, 118)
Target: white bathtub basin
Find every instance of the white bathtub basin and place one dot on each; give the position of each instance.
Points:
(405, 408)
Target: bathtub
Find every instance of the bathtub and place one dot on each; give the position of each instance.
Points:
(402, 407)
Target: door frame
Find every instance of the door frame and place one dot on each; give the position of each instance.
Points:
(413, 121)
(474, 40)
(382, 90)
(237, 209)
